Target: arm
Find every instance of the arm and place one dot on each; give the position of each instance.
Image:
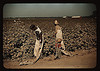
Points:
(41, 37)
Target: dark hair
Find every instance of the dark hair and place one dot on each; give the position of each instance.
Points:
(33, 27)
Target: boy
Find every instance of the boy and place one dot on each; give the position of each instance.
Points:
(60, 47)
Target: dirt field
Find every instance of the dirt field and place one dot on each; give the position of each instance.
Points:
(81, 59)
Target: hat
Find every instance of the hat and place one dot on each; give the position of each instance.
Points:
(56, 22)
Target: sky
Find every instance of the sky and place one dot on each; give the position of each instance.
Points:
(47, 9)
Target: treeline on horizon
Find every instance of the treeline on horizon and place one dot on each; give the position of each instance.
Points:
(47, 17)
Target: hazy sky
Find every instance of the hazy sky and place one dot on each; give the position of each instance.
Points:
(47, 9)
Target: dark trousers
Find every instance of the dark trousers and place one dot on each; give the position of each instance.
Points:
(58, 53)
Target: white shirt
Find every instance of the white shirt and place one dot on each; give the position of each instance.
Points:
(38, 29)
(59, 34)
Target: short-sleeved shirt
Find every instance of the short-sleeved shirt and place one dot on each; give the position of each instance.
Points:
(58, 32)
